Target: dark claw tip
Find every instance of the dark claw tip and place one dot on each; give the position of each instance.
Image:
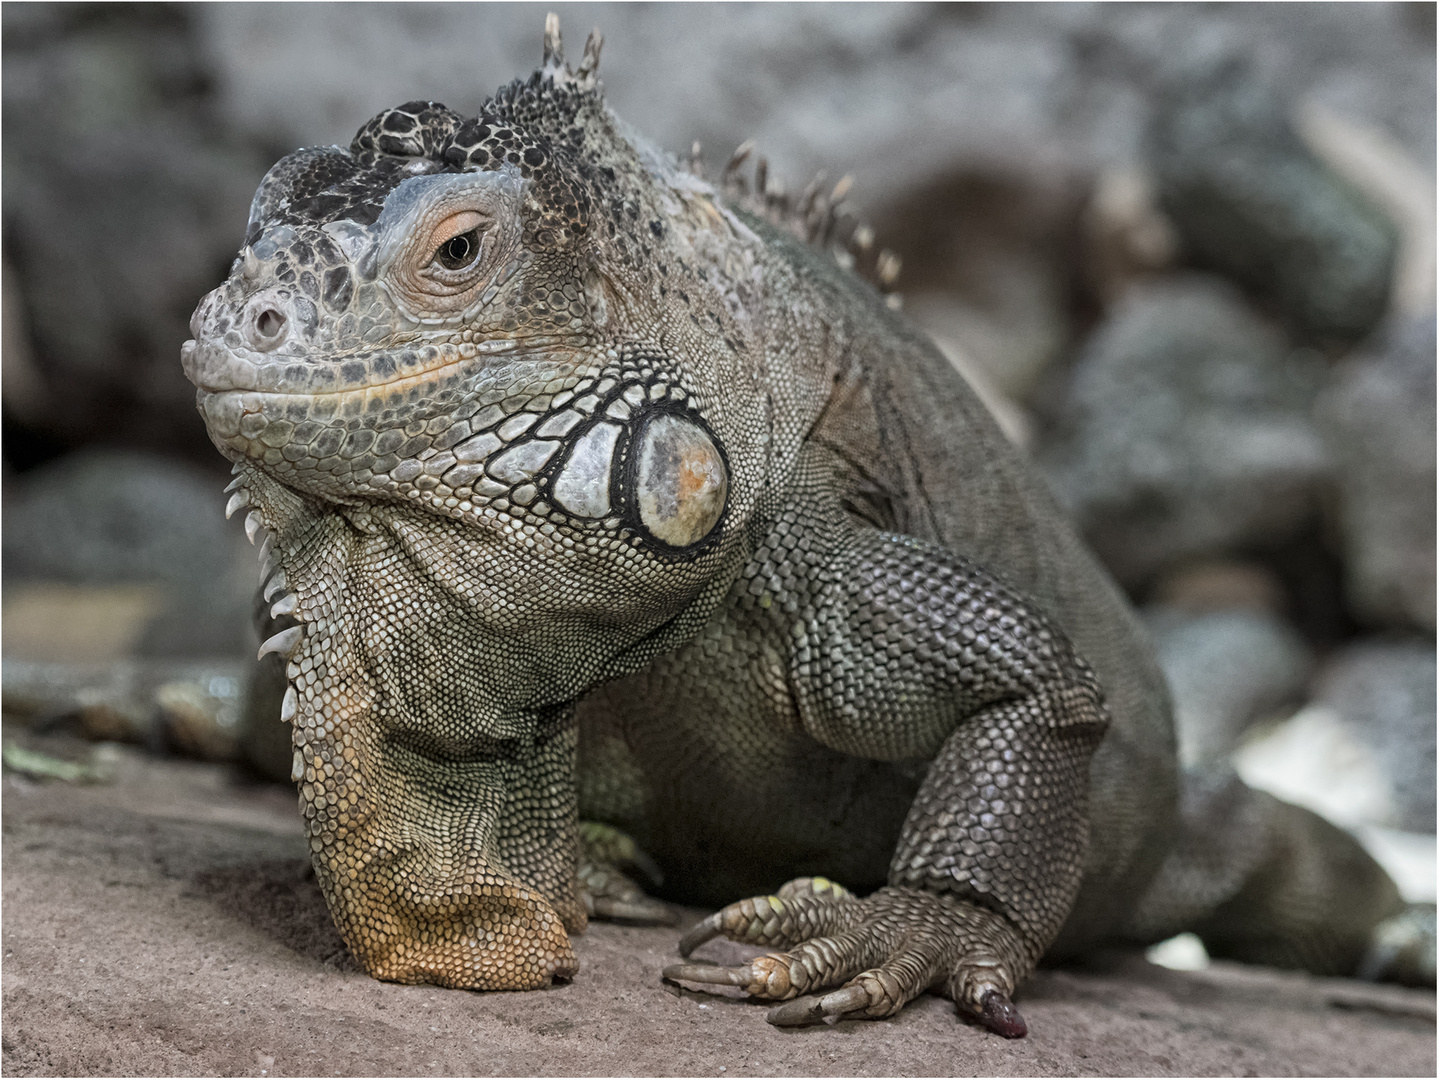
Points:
(998, 1013)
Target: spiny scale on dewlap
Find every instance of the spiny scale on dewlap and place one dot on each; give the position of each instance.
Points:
(593, 489)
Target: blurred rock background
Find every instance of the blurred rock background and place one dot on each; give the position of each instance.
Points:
(1186, 253)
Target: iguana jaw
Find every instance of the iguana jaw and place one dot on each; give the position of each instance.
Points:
(215, 368)
(519, 509)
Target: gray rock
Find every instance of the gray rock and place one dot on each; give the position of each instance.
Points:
(988, 271)
(903, 94)
(104, 517)
(1189, 431)
(188, 705)
(1125, 238)
(1250, 201)
(123, 203)
(265, 739)
(1221, 585)
(201, 720)
(1385, 693)
(1226, 669)
(1378, 418)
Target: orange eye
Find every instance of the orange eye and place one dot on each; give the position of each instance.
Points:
(458, 252)
(455, 242)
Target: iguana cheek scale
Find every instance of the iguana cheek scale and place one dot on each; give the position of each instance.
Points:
(588, 484)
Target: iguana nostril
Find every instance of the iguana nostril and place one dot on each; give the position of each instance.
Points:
(270, 323)
(269, 327)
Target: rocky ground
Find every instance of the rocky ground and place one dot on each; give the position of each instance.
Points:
(165, 921)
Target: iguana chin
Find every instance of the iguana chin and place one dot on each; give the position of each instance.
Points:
(594, 489)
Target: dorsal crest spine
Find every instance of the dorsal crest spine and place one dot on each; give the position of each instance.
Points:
(819, 218)
(552, 62)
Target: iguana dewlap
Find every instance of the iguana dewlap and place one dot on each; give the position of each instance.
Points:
(594, 489)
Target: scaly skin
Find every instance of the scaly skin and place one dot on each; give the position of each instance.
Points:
(570, 460)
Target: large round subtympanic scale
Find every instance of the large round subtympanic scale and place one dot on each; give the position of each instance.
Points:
(681, 481)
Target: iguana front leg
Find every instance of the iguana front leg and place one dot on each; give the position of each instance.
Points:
(904, 650)
(444, 861)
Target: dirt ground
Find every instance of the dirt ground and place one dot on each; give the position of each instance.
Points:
(166, 922)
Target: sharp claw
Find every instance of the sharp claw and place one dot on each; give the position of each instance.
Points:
(998, 1013)
(702, 932)
(707, 973)
(644, 911)
(817, 1007)
(845, 1000)
(648, 867)
(798, 1013)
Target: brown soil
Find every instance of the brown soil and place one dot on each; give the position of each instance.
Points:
(167, 923)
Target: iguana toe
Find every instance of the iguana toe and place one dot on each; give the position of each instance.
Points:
(817, 1007)
(802, 908)
(711, 974)
(638, 910)
(605, 845)
(606, 891)
(998, 1013)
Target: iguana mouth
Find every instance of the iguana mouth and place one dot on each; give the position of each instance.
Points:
(216, 368)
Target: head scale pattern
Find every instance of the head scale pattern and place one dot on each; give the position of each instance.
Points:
(535, 125)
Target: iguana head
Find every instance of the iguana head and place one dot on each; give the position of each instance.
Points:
(522, 323)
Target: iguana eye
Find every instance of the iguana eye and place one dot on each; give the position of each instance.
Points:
(458, 252)
(443, 239)
(455, 242)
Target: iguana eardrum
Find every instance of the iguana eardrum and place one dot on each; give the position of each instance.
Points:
(596, 490)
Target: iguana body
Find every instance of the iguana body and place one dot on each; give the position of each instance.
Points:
(593, 491)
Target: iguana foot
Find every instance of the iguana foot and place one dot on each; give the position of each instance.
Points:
(880, 953)
(607, 891)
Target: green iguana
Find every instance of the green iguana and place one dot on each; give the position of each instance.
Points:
(596, 490)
